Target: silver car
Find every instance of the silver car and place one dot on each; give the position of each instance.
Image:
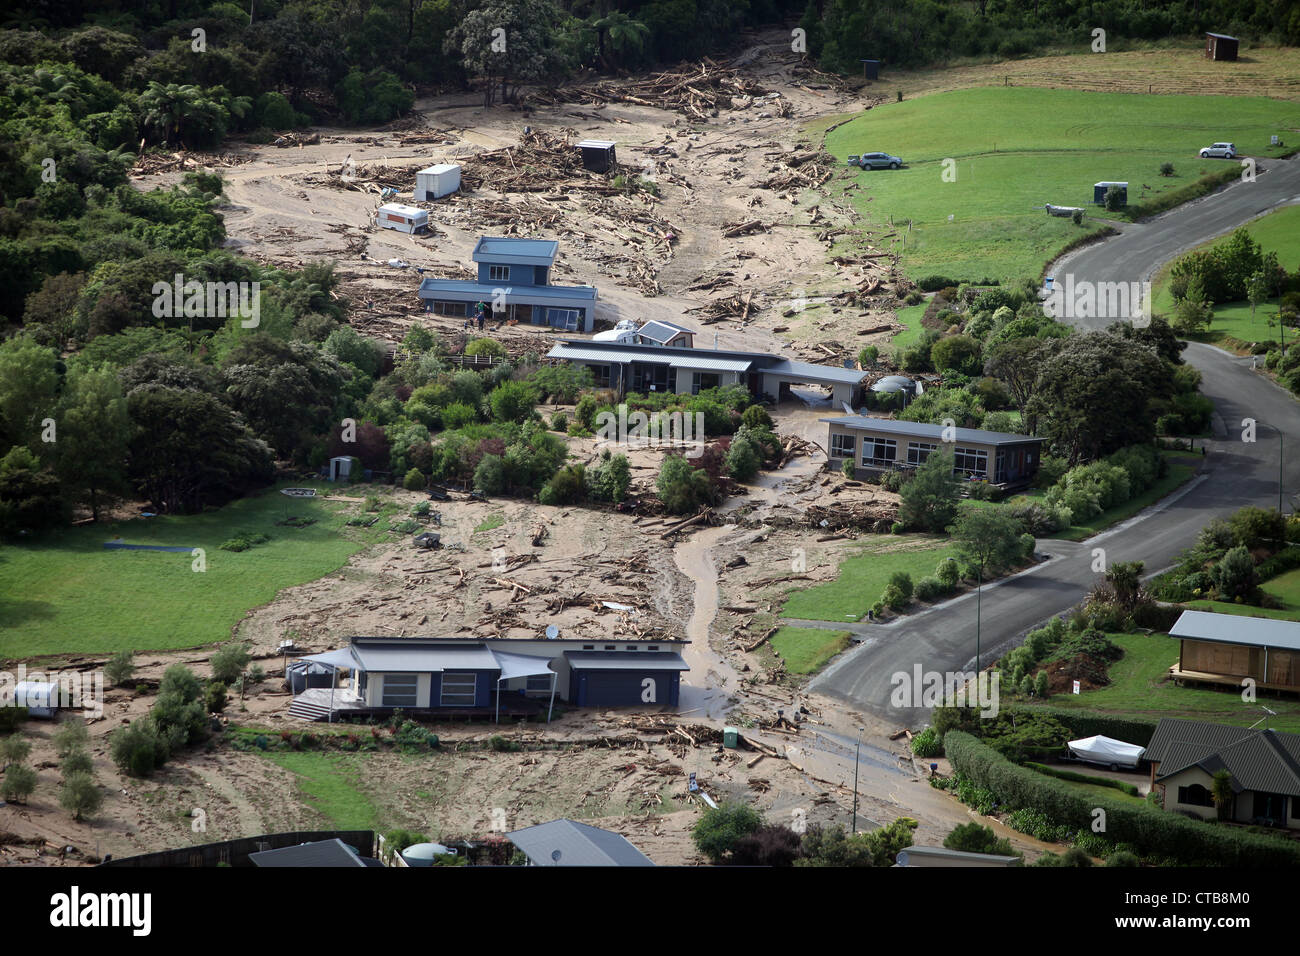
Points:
(1219, 151)
(876, 161)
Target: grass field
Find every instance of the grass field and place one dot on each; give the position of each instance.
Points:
(910, 316)
(66, 594)
(863, 577)
(1139, 688)
(1014, 148)
(806, 650)
(1275, 232)
(329, 785)
(1284, 587)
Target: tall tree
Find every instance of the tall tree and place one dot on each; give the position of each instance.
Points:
(30, 378)
(987, 539)
(929, 498)
(94, 433)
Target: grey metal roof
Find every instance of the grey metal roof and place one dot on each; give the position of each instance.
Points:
(1237, 629)
(924, 430)
(1264, 760)
(676, 358)
(323, 853)
(660, 331)
(625, 661)
(942, 856)
(808, 372)
(1174, 730)
(595, 144)
(407, 656)
(508, 250)
(577, 844)
(467, 290)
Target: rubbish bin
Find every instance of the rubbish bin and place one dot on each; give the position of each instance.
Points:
(730, 737)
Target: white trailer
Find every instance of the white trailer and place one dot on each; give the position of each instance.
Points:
(402, 218)
(436, 182)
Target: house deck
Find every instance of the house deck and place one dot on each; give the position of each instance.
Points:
(1222, 680)
(314, 704)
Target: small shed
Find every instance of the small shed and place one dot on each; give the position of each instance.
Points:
(1099, 193)
(436, 182)
(1220, 46)
(597, 155)
(340, 468)
(402, 218)
(871, 69)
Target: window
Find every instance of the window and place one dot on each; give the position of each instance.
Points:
(600, 374)
(632, 647)
(610, 647)
(448, 308)
(498, 273)
(918, 452)
(655, 647)
(539, 682)
(400, 690)
(842, 446)
(566, 319)
(458, 690)
(879, 451)
(703, 380)
(588, 647)
(1195, 796)
(971, 461)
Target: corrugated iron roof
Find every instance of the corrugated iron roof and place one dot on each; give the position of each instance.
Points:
(1263, 760)
(808, 372)
(625, 661)
(1237, 629)
(1174, 730)
(509, 249)
(676, 358)
(567, 843)
(924, 430)
(322, 853)
(421, 657)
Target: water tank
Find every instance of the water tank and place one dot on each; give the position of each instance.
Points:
(422, 854)
(894, 383)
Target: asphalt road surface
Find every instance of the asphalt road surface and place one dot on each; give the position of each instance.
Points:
(1234, 473)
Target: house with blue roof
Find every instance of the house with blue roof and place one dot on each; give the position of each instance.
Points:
(514, 281)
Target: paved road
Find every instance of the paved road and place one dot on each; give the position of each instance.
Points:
(1233, 474)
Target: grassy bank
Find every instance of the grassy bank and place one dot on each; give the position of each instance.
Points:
(68, 594)
(863, 577)
(1008, 149)
(806, 650)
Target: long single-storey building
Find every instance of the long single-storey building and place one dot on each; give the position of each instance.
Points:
(1227, 648)
(1264, 765)
(514, 282)
(634, 367)
(465, 676)
(885, 444)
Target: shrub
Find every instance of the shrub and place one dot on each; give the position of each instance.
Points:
(893, 597)
(975, 838)
(77, 761)
(1166, 169)
(19, 782)
(229, 662)
(930, 589)
(755, 416)
(1123, 858)
(683, 488)
(927, 743)
(1076, 217)
(414, 480)
(1257, 528)
(948, 573)
(138, 749)
(742, 461)
(490, 475)
(399, 840)
(1041, 685)
(80, 796)
(512, 401)
(934, 283)
(560, 423)
(457, 415)
(71, 735)
(718, 831)
(214, 697)
(566, 486)
(120, 668)
(1234, 575)
(610, 479)
(14, 749)
(486, 346)
(847, 468)
(903, 581)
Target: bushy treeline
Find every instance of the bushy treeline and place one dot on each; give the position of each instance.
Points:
(1232, 557)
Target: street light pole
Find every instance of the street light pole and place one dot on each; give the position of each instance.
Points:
(857, 762)
(979, 593)
(1281, 461)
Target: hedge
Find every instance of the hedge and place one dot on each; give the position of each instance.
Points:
(1090, 723)
(1288, 559)
(1151, 831)
(1071, 775)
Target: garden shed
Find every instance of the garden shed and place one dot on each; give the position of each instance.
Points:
(1220, 46)
(1099, 192)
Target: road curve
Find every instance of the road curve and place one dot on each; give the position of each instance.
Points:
(1234, 473)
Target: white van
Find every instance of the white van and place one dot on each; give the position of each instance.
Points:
(402, 218)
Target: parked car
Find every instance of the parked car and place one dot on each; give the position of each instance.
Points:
(1219, 151)
(875, 161)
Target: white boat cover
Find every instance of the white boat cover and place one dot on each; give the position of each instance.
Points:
(1107, 750)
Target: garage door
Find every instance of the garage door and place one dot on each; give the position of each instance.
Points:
(624, 688)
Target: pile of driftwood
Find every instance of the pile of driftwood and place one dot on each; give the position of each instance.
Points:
(696, 91)
(297, 139)
(151, 163)
(735, 306)
(852, 516)
(808, 169)
(540, 162)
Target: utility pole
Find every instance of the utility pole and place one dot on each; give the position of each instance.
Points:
(857, 761)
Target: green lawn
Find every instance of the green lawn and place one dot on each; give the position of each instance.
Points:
(1140, 688)
(67, 594)
(806, 650)
(863, 577)
(909, 316)
(329, 785)
(1018, 147)
(1276, 232)
(1284, 587)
